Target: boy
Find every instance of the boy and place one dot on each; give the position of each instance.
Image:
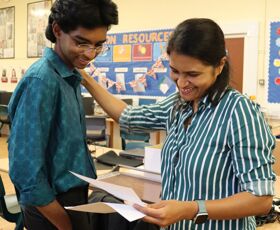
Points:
(48, 128)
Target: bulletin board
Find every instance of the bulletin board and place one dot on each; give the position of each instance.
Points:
(274, 63)
(136, 64)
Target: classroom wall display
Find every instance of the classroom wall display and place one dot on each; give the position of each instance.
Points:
(10, 77)
(37, 21)
(7, 32)
(274, 63)
(136, 64)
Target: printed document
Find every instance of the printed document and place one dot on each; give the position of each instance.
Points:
(121, 192)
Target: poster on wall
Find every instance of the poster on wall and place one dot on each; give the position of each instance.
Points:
(135, 64)
(274, 64)
(7, 32)
(10, 76)
(37, 21)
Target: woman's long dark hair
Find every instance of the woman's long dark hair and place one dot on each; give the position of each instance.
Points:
(203, 39)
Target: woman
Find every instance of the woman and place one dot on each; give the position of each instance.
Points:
(216, 159)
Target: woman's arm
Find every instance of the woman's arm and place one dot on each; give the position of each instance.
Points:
(112, 105)
(237, 206)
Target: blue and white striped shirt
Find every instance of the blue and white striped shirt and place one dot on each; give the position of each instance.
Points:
(225, 150)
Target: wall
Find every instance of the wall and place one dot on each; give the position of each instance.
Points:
(20, 60)
(146, 14)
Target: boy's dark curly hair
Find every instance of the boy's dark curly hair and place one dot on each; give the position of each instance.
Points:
(71, 14)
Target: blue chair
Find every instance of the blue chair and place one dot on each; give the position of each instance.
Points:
(9, 208)
(88, 104)
(96, 130)
(146, 101)
(137, 140)
(134, 140)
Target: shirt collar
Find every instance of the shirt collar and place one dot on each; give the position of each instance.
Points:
(206, 99)
(59, 64)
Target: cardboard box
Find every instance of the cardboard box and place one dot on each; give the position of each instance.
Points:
(152, 157)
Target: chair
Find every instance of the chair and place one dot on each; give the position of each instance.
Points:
(137, 140)
(4, 118)
(128, 101)
(146, 101)
(96, 130)
(9, 208)
(134, 140)
(5, 97)
(88, 104)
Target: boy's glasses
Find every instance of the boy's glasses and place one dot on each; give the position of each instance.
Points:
(84, 47)
(98, 50)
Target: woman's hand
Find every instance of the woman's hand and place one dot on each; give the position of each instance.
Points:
(85, 77)
(103, 97)
(167, 212)
(236, 206)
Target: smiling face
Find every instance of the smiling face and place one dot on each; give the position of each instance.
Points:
(67, 45)
(192, 77)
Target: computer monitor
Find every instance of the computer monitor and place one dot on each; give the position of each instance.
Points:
(5, 97)
(88, 103)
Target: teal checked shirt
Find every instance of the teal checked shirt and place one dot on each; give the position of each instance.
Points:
(48, 136)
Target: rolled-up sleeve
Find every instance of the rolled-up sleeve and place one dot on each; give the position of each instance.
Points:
(252, 144)
(31, 112)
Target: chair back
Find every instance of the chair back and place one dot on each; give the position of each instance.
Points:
(134, 140)
(4, 114)
(128, 101)
(96, 129)
(9, 207)
(5, 97)
(146, 101)
(88, 104)
(137, 140)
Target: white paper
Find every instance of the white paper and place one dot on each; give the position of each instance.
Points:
(121, 192)
(124, 193)
(127, 211)
(97, 207)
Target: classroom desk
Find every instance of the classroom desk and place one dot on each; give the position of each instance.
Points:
(111, 124)
(148, 190)
(4, 167)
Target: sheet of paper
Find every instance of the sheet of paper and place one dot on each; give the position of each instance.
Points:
(121, 192)
(127, 211)
(97, 207)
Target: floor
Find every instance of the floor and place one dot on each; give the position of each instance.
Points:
(4, 225)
